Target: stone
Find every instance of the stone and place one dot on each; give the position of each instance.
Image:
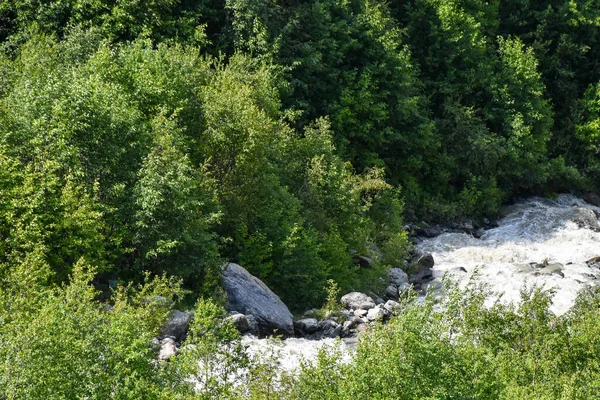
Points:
(361, 313)
(422, 276)
(240, 322)
(432, 285)
(327, 329)
(307, 325)
(593, 262)
(585, 218)
(397, 276)
(357, 301)
(177, 324)
(168, 349)
(253, 324)
(376, 313)
(249, 295)
(403, 288)
(393, 307)
(391, 291)
(426, 261)
(347, 327)
(592, 198)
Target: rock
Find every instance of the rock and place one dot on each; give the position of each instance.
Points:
(403, 288)
(376, 313)
(459, 270)
(357, 301)
(423, 275)
(347, 327)
(397, 276)
(593, 262)
(307, 325)
(240, 322)
(586, 218)
(167, 349)
(249, 295)
(426, 261)
(393, 307)
(329, 329)
(392, 291)
(177, 324)
(365, 262)
(432, 285)
(592, 198)
(253, 324)
(361, 313)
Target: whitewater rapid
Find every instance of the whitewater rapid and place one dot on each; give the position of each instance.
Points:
(533, 231)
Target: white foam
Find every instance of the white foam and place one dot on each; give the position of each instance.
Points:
(532, 231)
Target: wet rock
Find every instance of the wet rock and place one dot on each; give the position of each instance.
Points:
(249, 295)
(357, 301)
(397, 276)
(592, 198)
(168, 349)
(177, 324)
(329, 329)
(307, 325)
(426, 261)
(593, 262)
(239, 321)
(422, 276)
(459, 270)
(586, 218)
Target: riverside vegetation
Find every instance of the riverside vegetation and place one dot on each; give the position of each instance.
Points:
(143, 143)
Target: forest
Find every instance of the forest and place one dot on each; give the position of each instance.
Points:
(147, 142)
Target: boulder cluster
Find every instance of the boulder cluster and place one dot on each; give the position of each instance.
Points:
(254, 309)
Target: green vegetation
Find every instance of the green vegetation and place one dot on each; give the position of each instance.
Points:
(148, 142)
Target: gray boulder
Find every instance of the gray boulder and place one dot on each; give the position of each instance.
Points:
(177, 324)
(307, 325)
(423, 276)
(249, 295)
(168, 349)
(426, 261)
(391, 291)
(376, 313)
(586, 218)
(397, 276)
(357, 301)
(329, 329)
(393, 307)
(239, 321)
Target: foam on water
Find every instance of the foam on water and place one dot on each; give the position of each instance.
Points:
(530, 232)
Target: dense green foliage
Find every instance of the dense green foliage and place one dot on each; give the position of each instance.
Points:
(165, 137)
(466, 350)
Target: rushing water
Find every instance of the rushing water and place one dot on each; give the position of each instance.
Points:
(532, 231)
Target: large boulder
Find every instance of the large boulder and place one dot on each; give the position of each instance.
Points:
(426, 261)
(249, 295)
(397, 276)
(357, 301)
(177, 324)
(586, 218)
